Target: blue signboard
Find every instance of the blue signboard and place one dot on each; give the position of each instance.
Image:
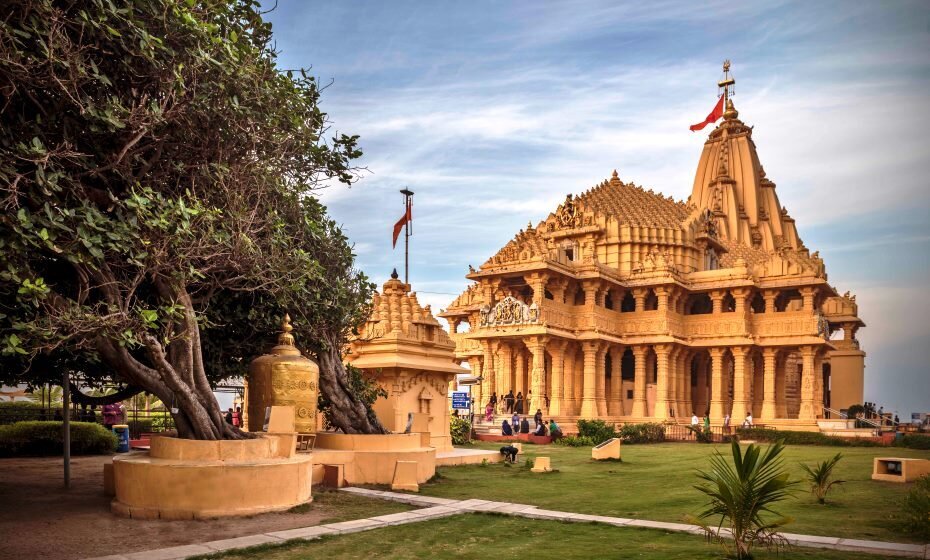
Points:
(460, 401)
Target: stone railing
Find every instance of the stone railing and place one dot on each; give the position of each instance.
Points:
(786, 323)
(722, 324)
(465, 345)
(560, 315)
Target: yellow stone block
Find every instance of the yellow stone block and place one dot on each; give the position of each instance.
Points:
(109, 485)
(609, 449)
(541, 465)
(894, 469)
(405, 476)
(282, 419)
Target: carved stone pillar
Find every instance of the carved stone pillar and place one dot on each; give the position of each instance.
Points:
(769, 410)
(716, 384)
(488, 374)
(818, 382)
(662, 293)
(568, 380)
(639, 296)
(639, 382)
(480, 398)
(781, 387)
(808, 408)
(537, 346)
(808, 294)
(591, 349)
(519, 373)
(662, 381)
(601, 392)
(742, 381)
(557, 351)
(615, 401)
(769, 296)
(505, 369)
(537, 282)
(741, 297)
(716, 297)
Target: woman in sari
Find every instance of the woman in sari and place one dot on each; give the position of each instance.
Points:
(489, 412)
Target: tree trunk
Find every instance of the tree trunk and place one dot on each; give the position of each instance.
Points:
(349, 412)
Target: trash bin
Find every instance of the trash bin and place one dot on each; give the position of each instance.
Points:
(122, 436)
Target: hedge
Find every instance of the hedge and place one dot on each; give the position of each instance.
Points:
(642, 433)
(596, 432)
(913, 441)
(801, 438)
(29, 439)
(460, 430)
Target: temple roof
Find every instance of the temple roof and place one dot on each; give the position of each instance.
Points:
(634, 205)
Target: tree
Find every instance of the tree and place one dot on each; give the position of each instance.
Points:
(157, 173)
(741, 493)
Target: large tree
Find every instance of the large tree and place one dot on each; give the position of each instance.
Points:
(157, 172)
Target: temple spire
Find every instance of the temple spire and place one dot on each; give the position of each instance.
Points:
(726, 84)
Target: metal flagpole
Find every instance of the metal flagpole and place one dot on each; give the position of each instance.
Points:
(66, 427)
(408, 231)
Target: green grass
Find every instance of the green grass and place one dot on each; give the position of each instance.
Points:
(336, 506)
(489, 537)
(656, 482)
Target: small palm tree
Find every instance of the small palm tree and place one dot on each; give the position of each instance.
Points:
(740, 493)
(820, 477)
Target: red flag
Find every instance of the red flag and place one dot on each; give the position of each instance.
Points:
(712, 117)
(400, 224)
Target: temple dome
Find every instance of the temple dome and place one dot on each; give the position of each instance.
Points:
(731, 183)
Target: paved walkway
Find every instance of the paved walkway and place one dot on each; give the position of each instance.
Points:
(434, 508)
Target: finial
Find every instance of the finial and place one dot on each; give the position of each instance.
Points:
(529, 225)
(726, 65)
(614, 175)
(286, 338)
(394, 275)
(731, 112)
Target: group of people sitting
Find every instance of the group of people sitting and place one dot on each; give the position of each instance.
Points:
(516, 425)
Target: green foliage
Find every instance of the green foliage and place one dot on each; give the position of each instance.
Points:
(917, 508)
(597, 431)
(24, 439)
(576, 441)
(22, 405)
(140, 426)
(740, 493)
(647, 432)
(460, 429)
(801, 438)
(820, 477)
(913, 441)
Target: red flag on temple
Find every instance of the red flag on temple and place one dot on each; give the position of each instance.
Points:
(400, 224)
(712, 117)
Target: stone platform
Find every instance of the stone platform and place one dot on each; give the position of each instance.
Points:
(460, 456)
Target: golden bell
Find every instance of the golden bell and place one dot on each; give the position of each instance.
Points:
(283, 378)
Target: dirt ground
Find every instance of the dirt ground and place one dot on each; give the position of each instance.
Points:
(39, 519)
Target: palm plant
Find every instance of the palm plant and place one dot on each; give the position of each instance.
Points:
(820, 477)
(740, 493)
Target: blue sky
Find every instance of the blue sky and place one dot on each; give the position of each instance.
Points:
(493, 111)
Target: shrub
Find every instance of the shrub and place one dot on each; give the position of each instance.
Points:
(140, 426)
(642, 433)
(576, 441)
(801, 438)
(740, 492)
(597, 431)
(460, 429)
(820, 477)
(917, 508)
(24, 439)
(20, 405)
(913, 441)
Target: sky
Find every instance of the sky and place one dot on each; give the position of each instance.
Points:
(491, 112)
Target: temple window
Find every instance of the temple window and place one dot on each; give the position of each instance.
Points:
(652, 300)
(699, 304)
(789, 300)
(609, 300)
(429, 333)
(579, 296)
(548, 295)
(729, 303)
(464, 326)
(628, 304)
(569, 251)
(757, 304)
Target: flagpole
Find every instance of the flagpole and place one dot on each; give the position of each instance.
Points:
(407, 233)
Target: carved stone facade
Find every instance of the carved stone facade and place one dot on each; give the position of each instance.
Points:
(628, 305)
(412, 358)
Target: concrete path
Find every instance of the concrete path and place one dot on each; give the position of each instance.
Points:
(434, 508)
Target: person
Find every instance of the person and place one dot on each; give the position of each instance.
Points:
(896, 421)
(110, 413)
(506, 430)
(509, 452)
(237, 417)
(489, 412)
(706, 423)
(493, 402)
(229, 416)
(726, 424)
(694, 419)
(508, 400)
(518, 408)
(524, 426)
(537, 418)
(554, 430)
(747, 423)
(515, 420)
(540, 429)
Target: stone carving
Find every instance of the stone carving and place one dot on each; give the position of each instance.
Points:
(568, 214)
(509, 311)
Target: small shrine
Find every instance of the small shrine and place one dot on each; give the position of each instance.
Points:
(412, 358)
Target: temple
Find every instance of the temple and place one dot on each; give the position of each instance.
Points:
(626, 305)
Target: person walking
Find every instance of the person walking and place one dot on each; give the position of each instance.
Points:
(726, 424)
(537, 418)
(519, 406)
(493, 402)
(508, 400)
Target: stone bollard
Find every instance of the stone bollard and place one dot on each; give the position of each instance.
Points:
(405, 476)
(541, 465)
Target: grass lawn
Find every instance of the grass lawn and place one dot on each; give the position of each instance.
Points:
(656, 482)
(487, 536)
(334, 506)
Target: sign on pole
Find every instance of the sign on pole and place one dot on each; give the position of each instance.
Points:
(460, 401)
